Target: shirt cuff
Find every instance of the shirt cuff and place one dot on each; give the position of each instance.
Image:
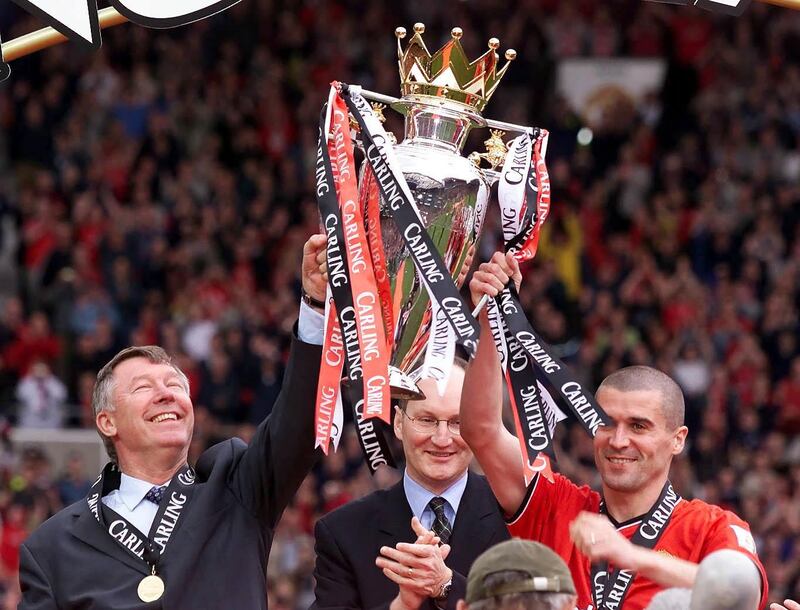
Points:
(310, 325)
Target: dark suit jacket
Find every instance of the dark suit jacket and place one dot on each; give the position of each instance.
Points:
(217, 557)
(349, 539)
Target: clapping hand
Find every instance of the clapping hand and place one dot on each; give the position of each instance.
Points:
(418, 568)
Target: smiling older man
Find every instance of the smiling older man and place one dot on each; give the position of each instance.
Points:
(154, 532)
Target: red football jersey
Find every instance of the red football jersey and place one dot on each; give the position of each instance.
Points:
(695, 530)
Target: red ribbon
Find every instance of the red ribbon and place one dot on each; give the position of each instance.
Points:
(366, 302)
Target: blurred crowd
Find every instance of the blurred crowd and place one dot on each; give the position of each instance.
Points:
(160, 189)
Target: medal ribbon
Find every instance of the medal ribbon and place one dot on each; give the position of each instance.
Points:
(498, 329)
(536, 207)
(371, 432)
(524, 196)
(531, 417)
(647, 536)
(150, 548)
(512, 190)
(396, 193)
(481, 204)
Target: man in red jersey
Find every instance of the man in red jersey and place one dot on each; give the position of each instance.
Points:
(638, 536)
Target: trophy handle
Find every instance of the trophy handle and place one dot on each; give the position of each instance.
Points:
(403, 386)
(502, 125)
(495, 156)
(495, 147)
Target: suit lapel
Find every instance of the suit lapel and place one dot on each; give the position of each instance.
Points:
(395, 518)
(86, 528)
(475, 528)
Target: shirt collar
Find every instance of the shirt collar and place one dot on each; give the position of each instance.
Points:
(419, 497)
(132, 490)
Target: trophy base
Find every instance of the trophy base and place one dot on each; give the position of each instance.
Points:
(403, 387)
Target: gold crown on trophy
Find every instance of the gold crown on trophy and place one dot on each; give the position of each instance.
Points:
(448, 73)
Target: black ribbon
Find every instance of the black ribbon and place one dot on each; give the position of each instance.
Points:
(423, 251)
(652, 527)
(521, 373)
(527, 399)
(372, 433)
(551, 369)
(150, 548)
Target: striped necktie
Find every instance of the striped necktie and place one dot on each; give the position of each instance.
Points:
(441, 525)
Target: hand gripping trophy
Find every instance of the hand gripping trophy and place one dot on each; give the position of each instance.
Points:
(402, 229)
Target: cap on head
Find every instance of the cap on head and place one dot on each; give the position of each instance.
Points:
(543, 570)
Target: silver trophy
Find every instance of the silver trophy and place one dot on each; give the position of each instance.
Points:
(443, 96)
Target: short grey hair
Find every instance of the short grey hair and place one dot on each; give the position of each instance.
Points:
(104, 386)
(533, 600)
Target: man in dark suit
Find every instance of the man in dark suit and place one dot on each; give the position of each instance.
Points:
(210, 528)
(370, 555)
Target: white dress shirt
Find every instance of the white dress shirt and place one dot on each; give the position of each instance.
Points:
(128, 502)
(418, 499)
(310, 325)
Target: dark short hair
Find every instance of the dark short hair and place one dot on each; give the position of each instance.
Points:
(646, 378)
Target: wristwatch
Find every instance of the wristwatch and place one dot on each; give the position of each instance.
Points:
(444, 591)
(311, 301)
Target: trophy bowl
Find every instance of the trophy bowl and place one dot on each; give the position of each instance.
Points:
(450, 192)
(443, 96)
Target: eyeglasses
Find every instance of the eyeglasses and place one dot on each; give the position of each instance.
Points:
(429, 425)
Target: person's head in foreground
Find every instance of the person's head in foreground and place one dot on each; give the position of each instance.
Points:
(671, 599)
(519, 575)
(726, 580)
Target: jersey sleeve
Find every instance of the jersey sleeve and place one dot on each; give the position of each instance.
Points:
(549, 508)
(730, 532)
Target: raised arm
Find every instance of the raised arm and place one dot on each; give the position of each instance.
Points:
(482, 426)
(282, 450)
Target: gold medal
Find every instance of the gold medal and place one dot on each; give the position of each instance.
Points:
(150, 588)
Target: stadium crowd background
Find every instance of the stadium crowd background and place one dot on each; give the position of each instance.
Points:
(160, 190)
